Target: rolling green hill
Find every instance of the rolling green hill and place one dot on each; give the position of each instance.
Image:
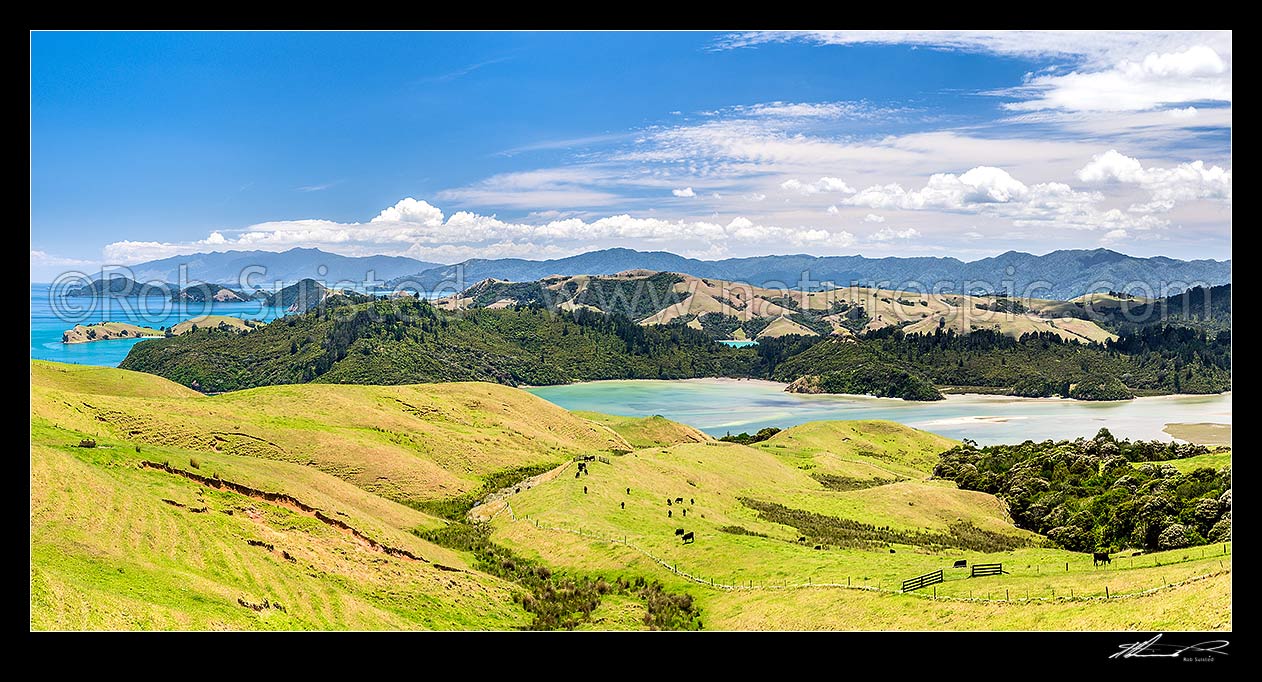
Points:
(304, 507)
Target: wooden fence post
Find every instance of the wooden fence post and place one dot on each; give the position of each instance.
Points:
(1066, 566)
(1106, 591)
(1006, 597)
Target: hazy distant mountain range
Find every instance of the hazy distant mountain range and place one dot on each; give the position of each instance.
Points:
(286, 266)
(1059, 274)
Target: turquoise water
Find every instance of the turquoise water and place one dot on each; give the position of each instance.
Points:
(50, 317)
(736, 343)
(718, 406)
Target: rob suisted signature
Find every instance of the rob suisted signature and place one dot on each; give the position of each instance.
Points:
(1153, 648)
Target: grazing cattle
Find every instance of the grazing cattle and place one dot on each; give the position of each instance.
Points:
(802, 538)
(961, 564)
(679, 531)
(624, 505)
(582, 467)
(1139, 553)
(584, 490)
(680, 500)
(518, 489)
(628, 491)
(668, 502)
(818, 547)
(891, 550)
(685, 512)
(577, 474)
(1098, 558)
(669, 513)
(688, 537)
(692, 500)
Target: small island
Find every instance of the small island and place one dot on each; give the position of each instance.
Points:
(109, 331)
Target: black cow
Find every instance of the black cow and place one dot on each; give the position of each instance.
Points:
(584, 490)
(624, 505)
(628, 491)
(818, 547)
(669, 513)
(1098, 558)
(1139, 553)
(891, 550)
(688, 537)
(961, 564)
(692, 500)
(679, 531)
(685, 512)
(582, 467)
(577, 474)
(668, 502)
(680, 500)
(802, 539)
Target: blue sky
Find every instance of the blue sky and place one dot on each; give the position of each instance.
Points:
(444, 146)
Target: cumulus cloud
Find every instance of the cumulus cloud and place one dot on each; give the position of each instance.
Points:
(685, 192)
(821, 185)
(987, 190)
(1113, 236)
(1184, 182)
(833, 210)
(980, 185)
(417, 228)
(411, 211)
(886, 234)
(873, 218)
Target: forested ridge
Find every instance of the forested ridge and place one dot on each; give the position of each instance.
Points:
(405, 340)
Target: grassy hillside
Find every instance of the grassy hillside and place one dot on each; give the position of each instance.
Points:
(765, 577)
(103, 381)
(647, 432)
(410, 444)
(301, 507)
(145, 515)
(109, 552)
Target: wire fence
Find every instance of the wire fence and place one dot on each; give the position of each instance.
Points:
(1020, 595)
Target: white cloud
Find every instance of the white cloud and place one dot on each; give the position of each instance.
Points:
(418, 228)
(873, 218)
(1113, 236)
(685, 192)
(822, 185)
(410, 210)
(1197, 74)
(980, 185)
(814, 110)
(1111, 70)
(986, 190)
(1184, 182)
(755, 197)
(1095, 47)
(43, 258)
(886, 234)
(833, 210)
(1189, 112)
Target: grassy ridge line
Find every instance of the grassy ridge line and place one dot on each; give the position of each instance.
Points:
(407, 443)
